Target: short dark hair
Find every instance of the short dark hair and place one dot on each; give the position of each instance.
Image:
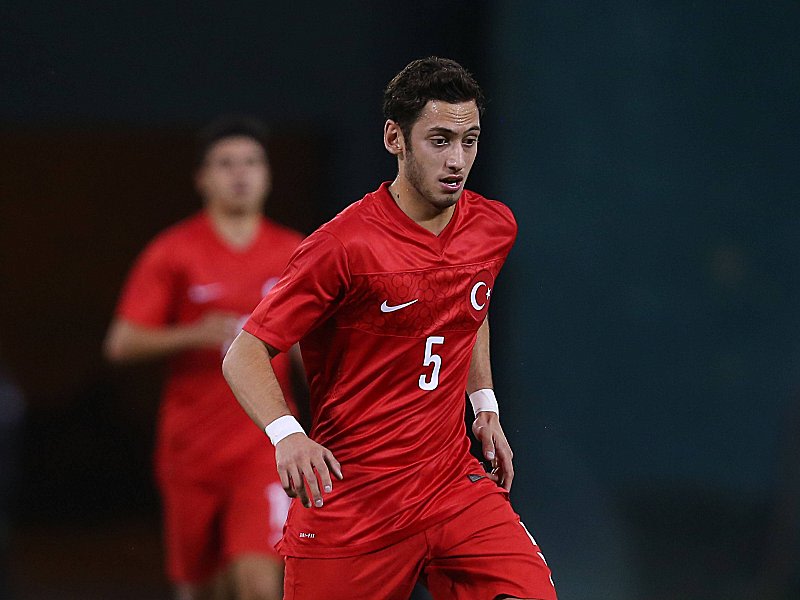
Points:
(228, 126)
(425, 79)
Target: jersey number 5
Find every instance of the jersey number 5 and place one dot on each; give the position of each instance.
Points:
(431, 359)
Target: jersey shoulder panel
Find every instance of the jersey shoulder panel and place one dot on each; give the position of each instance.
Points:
(496, 213)
(315, 279)
(349, 224)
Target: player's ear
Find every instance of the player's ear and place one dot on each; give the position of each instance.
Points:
(393, 138)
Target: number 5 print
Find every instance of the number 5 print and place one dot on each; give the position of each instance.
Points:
(431, 359)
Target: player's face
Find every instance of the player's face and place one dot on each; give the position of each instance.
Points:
(444, 143)
(235, 176)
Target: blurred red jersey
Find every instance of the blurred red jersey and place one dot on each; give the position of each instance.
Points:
(184, 273)
(387, 314)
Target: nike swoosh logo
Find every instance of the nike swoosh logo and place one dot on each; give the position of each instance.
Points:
(386, 308)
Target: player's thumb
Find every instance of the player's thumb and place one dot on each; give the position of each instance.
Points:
(488, 448)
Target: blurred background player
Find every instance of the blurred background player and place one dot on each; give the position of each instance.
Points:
(186, 298)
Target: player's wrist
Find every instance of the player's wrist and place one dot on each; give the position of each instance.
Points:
(484, 400)
(281, 428)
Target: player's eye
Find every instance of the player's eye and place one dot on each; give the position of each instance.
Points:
(470, 141)
(438, 141)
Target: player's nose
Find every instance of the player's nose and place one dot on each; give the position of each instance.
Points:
(456, 160)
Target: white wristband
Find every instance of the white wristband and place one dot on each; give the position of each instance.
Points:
(281, 427)
(484, 401)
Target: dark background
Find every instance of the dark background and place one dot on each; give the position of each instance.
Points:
(646, 328)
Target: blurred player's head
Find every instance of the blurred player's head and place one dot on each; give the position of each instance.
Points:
(233, 174)
(432, 109)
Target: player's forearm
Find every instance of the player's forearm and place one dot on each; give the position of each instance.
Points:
(127, 342)
(248, 371)
(480, 368)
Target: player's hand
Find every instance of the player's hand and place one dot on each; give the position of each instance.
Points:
(215, 329)
(303, 463)
(495, 448)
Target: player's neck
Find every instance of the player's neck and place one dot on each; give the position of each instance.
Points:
(418, 209)
(238, 230)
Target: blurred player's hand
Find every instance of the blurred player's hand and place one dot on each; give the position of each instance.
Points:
(495, 448)
(215, 329)
(303, 462)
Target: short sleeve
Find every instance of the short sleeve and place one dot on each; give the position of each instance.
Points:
(309, 291)
(148, 294)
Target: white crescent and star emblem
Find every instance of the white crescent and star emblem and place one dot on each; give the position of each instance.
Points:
(478, 294)
(473, 295)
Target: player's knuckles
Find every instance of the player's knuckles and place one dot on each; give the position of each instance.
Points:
(290, 465)
(315, 457)
(299, 456)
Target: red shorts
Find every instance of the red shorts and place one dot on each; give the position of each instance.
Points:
(479, 554)
(208, 524)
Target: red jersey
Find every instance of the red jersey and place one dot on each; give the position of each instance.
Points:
(184, 273)
(387, 315)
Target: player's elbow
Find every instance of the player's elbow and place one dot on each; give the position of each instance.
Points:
(246, 353)
(116, 346)
(113, 350)
(229, 361)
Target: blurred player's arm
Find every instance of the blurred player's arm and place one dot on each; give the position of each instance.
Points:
(486, 427)
(128, 342)
(247, 368)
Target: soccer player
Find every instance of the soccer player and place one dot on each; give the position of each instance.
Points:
(389, 301)
(186, 298)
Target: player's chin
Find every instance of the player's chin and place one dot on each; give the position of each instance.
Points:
(443, 201)
(242, 206)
